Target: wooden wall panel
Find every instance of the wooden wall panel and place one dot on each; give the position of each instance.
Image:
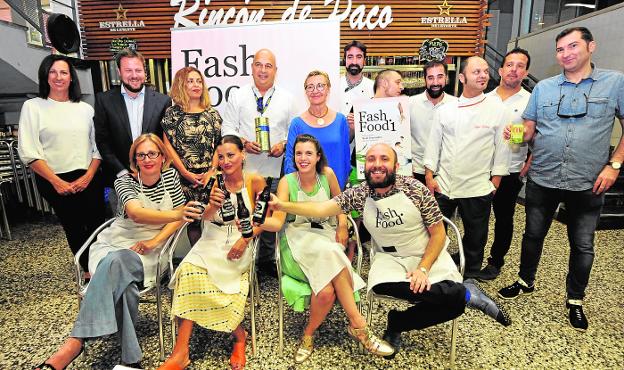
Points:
(403, 36)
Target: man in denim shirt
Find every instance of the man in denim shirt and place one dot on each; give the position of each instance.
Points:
(570, 118)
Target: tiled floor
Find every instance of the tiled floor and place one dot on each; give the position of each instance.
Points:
(38, 305)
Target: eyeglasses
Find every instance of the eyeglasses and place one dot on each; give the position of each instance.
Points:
(150, 155)
(578, 115)
(320, 87)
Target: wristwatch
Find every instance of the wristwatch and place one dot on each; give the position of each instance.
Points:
(424, 271)
(615, 165)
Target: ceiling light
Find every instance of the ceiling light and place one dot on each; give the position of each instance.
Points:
(581, 5)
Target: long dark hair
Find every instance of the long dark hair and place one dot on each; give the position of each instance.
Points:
(44, 69)
(232, 139)
(307, 138)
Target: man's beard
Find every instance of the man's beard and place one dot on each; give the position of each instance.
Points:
(388, 181)
(435, 93)
(132, 89)
(354, 69)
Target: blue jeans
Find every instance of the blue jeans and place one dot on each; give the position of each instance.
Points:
(583, 211)
(111, 304)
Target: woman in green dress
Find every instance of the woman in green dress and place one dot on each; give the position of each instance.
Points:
(313, 256)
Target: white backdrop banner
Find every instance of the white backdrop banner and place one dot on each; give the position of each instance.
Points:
(224, 55)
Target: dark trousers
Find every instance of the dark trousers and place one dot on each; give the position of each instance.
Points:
(504, 206)
(80, 214)
(445, 301)
(475, 215)
(583, 211)
(420, 177)
(266, 244)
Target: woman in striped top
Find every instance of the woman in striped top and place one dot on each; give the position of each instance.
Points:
(126, 253)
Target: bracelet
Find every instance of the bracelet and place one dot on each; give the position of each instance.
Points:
(424, 271)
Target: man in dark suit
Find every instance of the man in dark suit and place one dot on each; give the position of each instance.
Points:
(124, 113)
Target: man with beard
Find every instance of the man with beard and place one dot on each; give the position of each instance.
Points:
(261, 98)
(468, 155)
(569, 119)
(124, 113)
(410, 260)
(513, 70)
(354, 84)
(422, 109)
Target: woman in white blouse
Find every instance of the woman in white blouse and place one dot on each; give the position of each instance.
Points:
(57, 141)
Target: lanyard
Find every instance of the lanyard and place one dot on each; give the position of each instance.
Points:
(260, 107)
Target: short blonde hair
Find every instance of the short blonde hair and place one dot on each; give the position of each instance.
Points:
(140, 140)
(317, 73)
(178, 89)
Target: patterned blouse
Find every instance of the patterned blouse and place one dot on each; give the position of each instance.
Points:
(194, 136)
(355, 198)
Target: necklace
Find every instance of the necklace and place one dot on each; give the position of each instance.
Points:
(319, 119)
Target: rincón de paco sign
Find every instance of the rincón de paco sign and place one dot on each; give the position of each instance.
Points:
(359, 17)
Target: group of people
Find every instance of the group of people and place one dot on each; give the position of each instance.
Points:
(460, 160)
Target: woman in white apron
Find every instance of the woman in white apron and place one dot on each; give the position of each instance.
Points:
(126, 253)
(212, 282)
(317, 246)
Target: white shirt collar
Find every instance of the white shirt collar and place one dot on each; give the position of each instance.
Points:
(125, 92)
(269, 92)
(463, 101)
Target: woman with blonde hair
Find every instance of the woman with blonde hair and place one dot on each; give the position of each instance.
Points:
(126, 253)
(191, 131)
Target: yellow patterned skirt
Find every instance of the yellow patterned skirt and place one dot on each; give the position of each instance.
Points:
(197, 299)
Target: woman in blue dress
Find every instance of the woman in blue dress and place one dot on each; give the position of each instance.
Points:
(329, 127)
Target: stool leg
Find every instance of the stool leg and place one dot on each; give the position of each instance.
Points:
(453, 343)
(5, 221)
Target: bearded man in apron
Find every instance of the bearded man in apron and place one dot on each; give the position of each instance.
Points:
(410, 260)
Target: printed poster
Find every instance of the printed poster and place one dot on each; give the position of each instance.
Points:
(383, 120)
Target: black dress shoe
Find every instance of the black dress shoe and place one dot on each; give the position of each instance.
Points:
(394, 339)
(577, 317)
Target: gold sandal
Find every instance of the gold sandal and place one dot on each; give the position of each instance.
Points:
(370, 341)
(305, 349)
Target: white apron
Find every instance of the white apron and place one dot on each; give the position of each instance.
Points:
(314, 249)
(124, 233)
(211, 250)
(396, 225)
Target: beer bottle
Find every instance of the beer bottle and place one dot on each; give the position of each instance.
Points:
(227, 209)
(243, 217)
(262, 204)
